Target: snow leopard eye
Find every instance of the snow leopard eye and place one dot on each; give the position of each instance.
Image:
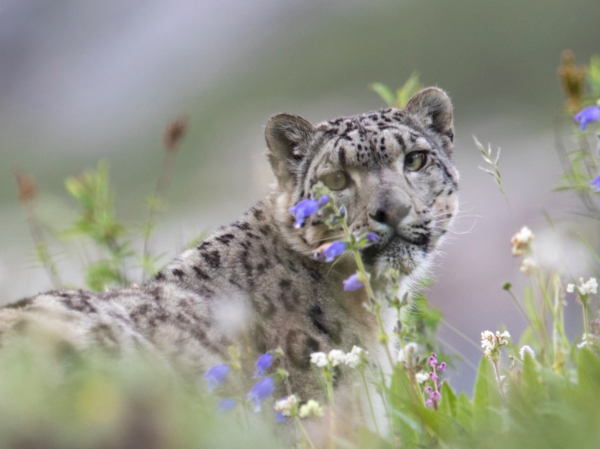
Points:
(336, 180)
(415, 161)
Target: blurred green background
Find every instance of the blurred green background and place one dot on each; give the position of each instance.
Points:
(81, 81)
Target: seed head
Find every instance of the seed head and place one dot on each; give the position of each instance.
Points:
(174, 132)
(26, 186)
(572, 78)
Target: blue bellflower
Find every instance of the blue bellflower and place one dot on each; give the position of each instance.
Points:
(352, 283)
(596, 183)
(372, 237)
(334, 250)
(324, 200)
(216, 375)
(587, 115)
(261, 391)
(303, 209)
(262, 364)
(225, 405)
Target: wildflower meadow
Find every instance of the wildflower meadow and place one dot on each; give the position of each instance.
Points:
(538, 389)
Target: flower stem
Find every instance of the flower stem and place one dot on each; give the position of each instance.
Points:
(41, 246)
(173, 134)
(361, 268)
(304, 432)
(498, 380)
(585, 320)
(384, 340)
(518, 304)
(386, 406)
(557, 328)
(362, 373)
(331, 411)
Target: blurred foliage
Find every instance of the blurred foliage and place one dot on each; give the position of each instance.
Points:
(581, 164)
(400, 98)
(97, 222)
(58, 398)
(541, 409)
(594, 76)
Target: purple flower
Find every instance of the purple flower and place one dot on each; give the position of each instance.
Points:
(352, 283)
(225, 405)
(261, 391)
(324, 200)
(596, 183)
(279, 417)
(433, 376)
(587, 115)
(216, 375)
(428, 389)
(442, 366)
(303, 209)
(372, 237)
(262, 364)
(334, 250)
(433, 360)
(434, 398)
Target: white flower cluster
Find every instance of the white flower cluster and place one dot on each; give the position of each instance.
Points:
(492, 344)
(319, 359)
(337, 357)
(584, 288)
(311, 409)
(352, 359)
(528, 265)
(422, 377)
(286, 405)
(521, 240)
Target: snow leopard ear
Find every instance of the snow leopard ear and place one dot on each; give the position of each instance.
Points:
(434, 106)
(288, 137)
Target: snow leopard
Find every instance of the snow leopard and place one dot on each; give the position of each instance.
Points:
(255, 285)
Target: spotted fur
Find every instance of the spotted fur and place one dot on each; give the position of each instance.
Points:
(255, 284)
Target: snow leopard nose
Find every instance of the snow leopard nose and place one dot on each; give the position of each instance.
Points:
(391, 216)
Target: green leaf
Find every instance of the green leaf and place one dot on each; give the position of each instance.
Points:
(486, 392)
(486, 399)
(101, 274)
(410, 87)
(384, 92)
(410, 422)
(464, 412)
(594, 74)
(405, 408)
(530, 380)
(588, 371)
(366, 438)
(448, 402)
(74, 187)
